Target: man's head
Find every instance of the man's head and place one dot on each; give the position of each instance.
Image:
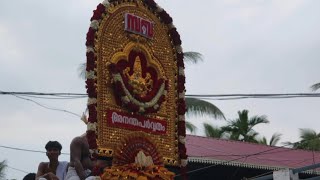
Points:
(30, 176)
(53, 149)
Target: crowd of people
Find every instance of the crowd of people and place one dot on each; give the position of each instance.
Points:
(79, 167)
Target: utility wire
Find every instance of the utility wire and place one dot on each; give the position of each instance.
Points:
(44, 94)
(203, 96)
(17, 169)
(39, 104)
(27, 150)
(253, 95)
(55, 97)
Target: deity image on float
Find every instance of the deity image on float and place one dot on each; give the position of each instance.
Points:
(135, 83)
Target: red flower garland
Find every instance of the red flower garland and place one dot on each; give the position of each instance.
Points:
(97, 14)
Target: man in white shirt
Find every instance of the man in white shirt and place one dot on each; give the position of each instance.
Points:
(54, 169)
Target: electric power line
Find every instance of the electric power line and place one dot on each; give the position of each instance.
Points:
(39, 104)
(203, 96)
(27, 150)
(17, 169)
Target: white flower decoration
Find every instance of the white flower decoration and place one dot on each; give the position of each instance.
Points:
(92, 126)
(181, 71)
(182, 139)
(171, 26)
(165, 92)
(94, 24)
(117, 78)
(182, 95)
(92, 101)
(141, 109)
(90, 75)
(179, 49)
(182, 118)
(90, 49)
(159, 9)
(156, 106)
(125, 99)
(105, 3)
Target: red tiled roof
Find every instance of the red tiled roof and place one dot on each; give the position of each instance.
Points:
(228, 152)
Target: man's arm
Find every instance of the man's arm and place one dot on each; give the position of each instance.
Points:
(41, 170)
(75, 154)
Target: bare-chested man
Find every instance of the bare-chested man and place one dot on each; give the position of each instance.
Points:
(80, 162)
(54, 169)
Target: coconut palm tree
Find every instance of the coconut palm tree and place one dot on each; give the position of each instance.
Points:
(275, 138)
(201, 107)
(242, 127)
(212, 131)
(191, 127)
(315, 87)
(3, 166)
(310, 140)
(194, 106)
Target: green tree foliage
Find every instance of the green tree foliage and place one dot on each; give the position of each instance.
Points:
(191, 127)
(310, 140)
(3, 166)
(212, 131)
(200, 107)
(192, 57)
(315, 87)
(273, 141)
(241, 128)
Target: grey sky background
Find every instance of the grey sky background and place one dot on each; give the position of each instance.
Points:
(249, 46)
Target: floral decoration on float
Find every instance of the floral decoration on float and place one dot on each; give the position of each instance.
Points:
(137, 85)
(137, 158)
(151, 98)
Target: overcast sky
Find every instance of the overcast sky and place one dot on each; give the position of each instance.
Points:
(249, 46)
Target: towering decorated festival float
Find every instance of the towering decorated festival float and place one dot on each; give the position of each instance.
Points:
(135, 83)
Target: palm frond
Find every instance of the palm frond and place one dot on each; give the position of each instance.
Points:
(200, 107)
(306, 133)
(251, 137)
(310, 140)
(82, 70)
(192, 57)
(212, 131)
(275, 138)
(190, 127)
(227, 129)
(289, 144)
(3, 166)
(243, 115)
(315, 87)
(262, 141)
(255, 120)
